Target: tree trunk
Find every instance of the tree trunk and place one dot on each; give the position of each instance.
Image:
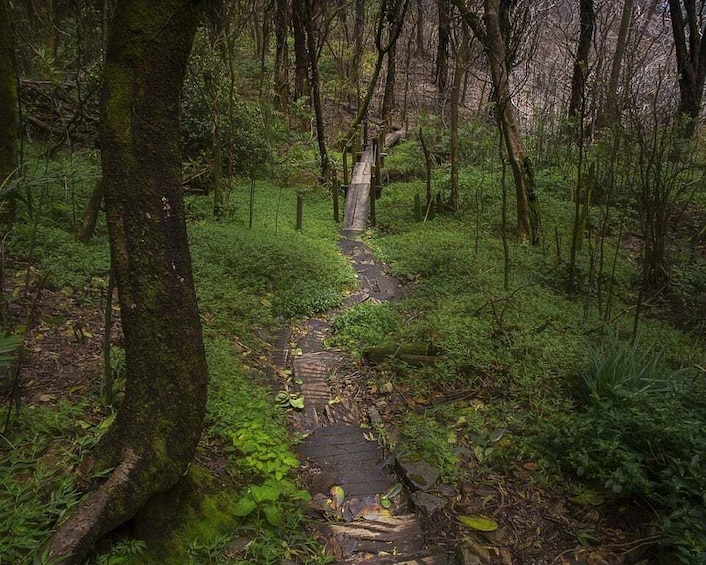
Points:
(578, 80)
(459, 71)
(281, 56)
(610, 112)
(442, 53)
(156, 431)
(421, 48)
(388, 102)
(488, 31)
(389, 26)
(357, 56)
(301, 58)
(316, 91)
(691, 62)
(90, 216)
(9, 110)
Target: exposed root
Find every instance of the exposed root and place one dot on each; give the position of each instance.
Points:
(117, 500)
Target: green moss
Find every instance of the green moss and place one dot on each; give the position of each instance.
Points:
(201, 507)
(119, 105)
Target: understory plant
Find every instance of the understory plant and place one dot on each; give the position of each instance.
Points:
(639, 431)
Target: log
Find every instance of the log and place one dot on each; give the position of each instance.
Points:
(413, 353)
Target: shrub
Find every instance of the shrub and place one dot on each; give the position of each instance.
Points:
(642, 432)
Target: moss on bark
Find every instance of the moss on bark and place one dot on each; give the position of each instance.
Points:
(9, 109)
(156, 431)
(201, 507)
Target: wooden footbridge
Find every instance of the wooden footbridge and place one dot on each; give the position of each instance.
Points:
(364, 515)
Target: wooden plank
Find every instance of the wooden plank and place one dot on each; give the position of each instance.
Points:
(315, 332)
(348, 459)
(355, 218)
(280, 349)
(397, 534)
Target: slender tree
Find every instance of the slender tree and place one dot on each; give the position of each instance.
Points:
(609, 114)
(441, 74)
(158, 426)
(578, 79)
(690, 47)
(281, 77)
(389, 25)
(312, 53)
(358, 40)
(500, 48)
(461, 51)
(301, 57)
(419, 28)
(388, 101)
(9, 109)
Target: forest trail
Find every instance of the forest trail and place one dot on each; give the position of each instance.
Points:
(364, 516)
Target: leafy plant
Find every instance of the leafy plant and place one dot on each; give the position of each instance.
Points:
(427, 439)
(616, 370)
(365, 324)
(272, 499)
(122, 553)
(642, 433)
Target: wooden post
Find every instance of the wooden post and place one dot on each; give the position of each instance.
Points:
(336, 188)
(374, 182)
(300, 211)
(252, 198)
(381, 148)
(345, 165)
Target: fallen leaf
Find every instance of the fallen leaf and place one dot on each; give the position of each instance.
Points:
(480, 523)
(338, 495)
(393, 491)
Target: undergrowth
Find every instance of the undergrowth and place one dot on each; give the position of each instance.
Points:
(249, 280)
(614, 412)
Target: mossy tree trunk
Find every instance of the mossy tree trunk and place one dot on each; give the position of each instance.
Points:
(388, 101)
(156, 431)
(9, 109)
(461, 44)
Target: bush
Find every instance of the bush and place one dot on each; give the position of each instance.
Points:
(366, 324)
(642, 432)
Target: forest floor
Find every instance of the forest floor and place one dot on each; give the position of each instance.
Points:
(539, 523)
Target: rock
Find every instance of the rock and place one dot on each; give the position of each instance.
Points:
(471, 552)
(420, 474)
(374, 415)
(427, 503)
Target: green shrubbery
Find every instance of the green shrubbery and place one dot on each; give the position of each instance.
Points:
(365, 325)
(639, 429)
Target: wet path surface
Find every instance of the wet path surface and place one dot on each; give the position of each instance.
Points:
(363, 515)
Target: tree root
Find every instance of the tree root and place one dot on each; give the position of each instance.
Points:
(134, 481)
